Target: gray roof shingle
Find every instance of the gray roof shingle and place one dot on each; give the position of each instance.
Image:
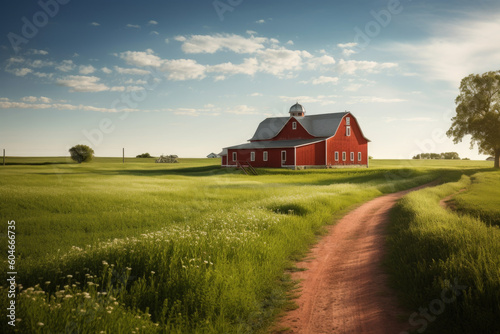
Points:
(323, 125)
(274, 144)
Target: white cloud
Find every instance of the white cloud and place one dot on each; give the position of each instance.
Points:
(106, 70)
(348, 52)
(20, 72)
(456, 49)
(303, 99)
(347, 45)
(195, 112)
(153, 22)
(249, 66)
(324, 79)
(251, 32)
(290, 42)
(87, 69)
(373, 99)
(135, 82)
(276, 61)
(132, 71)
(40, 52)
(315, 62)
(135, 26)
(260, 21)
(66, 66)
(156, 33)
(134, 88)
(41, 63)
(353, 66)
(47, 104)
(141, 58)
(81, 83)
(183, 69)
(256, 94)
(353, 87)
(117, 89)
(242, 110)
(29, 99)
(212, 44)
(95, 24)
(43, 75)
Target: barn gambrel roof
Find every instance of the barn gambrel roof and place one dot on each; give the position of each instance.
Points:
(275, 144)
(323, 125)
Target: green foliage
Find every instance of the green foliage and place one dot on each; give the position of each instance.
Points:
(445, 155)
(482, 198)
(81, 153)
(431, 248)
(144, 155)
(180, 248)
(478, 113)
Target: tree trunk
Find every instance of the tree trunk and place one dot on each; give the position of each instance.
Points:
(497, 159)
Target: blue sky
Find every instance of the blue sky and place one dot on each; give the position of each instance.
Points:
(192, 77)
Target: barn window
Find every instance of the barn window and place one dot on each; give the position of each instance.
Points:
(344, 156)
(359, 156)
(264, 156)
(252, 156)
(234, 156)
(294, 125)
(336, 156)
(348, 121)
(352, 156)
(283, 156)
(347, 130)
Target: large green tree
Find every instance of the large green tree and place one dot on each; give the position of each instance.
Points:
(478, 113)
(81, 153)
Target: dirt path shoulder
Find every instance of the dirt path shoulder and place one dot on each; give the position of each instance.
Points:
(344, 289)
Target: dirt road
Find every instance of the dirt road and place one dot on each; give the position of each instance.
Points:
(344, 289)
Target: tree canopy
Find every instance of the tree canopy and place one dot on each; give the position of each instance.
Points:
(81, 153)
(478, 113)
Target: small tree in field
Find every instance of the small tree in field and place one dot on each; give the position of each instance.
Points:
(478, 113)
(81, 153)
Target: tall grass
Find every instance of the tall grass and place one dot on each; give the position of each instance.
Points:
(431, 247)
(186, 248)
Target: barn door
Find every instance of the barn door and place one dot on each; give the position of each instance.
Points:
(283, 158)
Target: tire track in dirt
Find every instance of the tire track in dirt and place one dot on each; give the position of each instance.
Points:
(344, 289)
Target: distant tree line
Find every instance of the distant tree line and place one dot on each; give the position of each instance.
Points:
(144, 155)
(445, 155)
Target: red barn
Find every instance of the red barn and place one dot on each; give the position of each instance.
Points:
(299, 141)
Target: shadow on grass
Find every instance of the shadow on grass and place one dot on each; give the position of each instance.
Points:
(38, 163)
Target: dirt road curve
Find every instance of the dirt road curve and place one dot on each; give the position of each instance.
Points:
(344, 289)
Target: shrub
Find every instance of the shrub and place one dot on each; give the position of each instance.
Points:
(81, 153)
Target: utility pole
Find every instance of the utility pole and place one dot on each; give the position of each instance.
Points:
(124, 155)
(4, 157)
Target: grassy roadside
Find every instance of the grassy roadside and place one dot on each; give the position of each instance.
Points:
(446, 265)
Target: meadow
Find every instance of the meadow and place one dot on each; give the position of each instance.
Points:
(107, 247)
(445, 264)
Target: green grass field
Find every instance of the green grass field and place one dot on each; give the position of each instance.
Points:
(446, 264)
(182, 248)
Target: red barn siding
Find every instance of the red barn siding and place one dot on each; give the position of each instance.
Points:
(311, 155)
(288, 133)
(353, 143)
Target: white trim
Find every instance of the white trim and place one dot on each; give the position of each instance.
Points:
(281, 157)
(235, 156)
(265, 156)
(294, 125)
(352, 156)
(326, 152)
(252, 156)
(344, 156)
(348, 120)
(348, 130)
(295, 156)
(359, 156)
(337, 156)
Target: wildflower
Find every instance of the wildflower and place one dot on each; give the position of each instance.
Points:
(152, 272)
(48, 282)
(40, 324)
(69, 276)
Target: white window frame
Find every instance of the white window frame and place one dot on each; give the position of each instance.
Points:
(352, 156)
(264, 156)
(235, 156)
(294, 125)
(344, 156)
(336, 156)
(283, 156)
(359, 156)
(347, 131)
(348, 121)
(252, 156)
